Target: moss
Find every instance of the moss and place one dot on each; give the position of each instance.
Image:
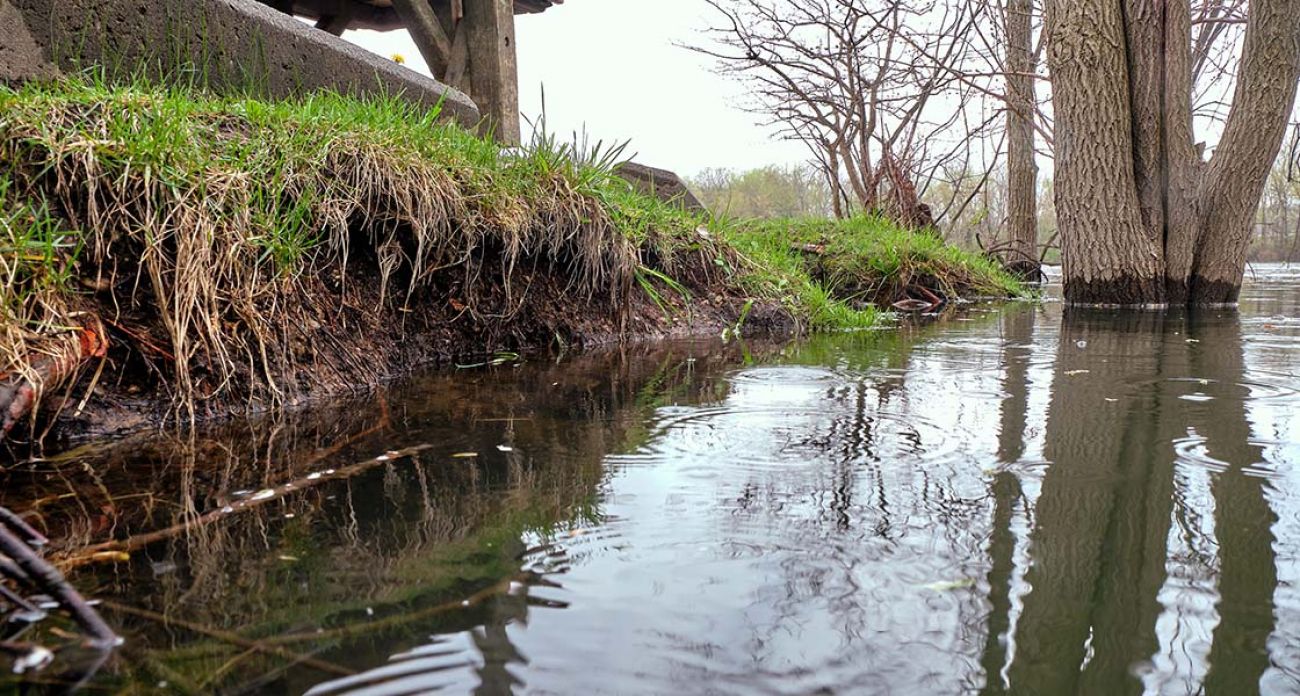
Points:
(224, 227)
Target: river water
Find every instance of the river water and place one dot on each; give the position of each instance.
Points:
(1022, 498)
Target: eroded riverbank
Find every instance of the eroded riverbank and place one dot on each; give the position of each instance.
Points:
(169, 256)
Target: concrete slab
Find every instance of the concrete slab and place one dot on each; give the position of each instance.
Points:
(660, 183)
(224, 45)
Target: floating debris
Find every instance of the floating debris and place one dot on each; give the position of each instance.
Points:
(949, 585)
(35, 659)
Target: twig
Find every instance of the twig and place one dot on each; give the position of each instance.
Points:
(18, 524)
(19, 601)
(493, 590)
(139, 541)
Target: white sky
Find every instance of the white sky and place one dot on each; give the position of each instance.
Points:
(610, 66)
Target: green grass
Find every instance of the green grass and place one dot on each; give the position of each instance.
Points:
(217, 215)
(863, 262)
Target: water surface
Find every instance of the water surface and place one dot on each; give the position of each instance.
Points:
(1021, 499)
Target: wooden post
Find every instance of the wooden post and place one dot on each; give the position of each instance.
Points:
(473, 52)
(494, 74)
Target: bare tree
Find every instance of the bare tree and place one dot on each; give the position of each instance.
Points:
(863, 83)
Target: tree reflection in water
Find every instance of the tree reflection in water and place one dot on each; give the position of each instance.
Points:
(1099, 546)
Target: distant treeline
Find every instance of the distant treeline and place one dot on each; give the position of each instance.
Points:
(767, 192)
(1277, 223)
(969, 207)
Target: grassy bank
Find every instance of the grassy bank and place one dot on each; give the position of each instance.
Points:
(833, 272)
(220, 254)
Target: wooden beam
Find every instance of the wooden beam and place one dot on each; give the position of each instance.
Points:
(427, 32)
(458, 67)
(494, 75)
(336, 23)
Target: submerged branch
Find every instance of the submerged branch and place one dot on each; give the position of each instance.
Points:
(92, 553)
(30, 569)
(232, 638)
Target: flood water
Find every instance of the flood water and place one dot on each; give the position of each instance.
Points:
(1022, 499)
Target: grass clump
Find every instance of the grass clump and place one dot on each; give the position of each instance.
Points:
(222, 217)
(840, 270)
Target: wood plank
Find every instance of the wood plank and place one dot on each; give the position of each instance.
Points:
(458, 67)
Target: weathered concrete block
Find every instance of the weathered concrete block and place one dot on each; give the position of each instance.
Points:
(21, 58)
(661, 183)
(223, 45)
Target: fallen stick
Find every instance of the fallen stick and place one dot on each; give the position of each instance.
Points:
(18, 600)
(498, 588)
(232, 638)
(20, 525)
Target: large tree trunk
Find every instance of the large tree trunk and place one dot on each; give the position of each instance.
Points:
(1022, 170)
(1142, 219)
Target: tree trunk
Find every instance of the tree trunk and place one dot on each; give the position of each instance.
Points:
(1142, 219)
(1022, 170)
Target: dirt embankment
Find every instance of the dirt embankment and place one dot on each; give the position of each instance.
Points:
(348, 340)
(167, 256)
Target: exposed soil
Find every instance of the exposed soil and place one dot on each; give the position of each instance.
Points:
(351, 340)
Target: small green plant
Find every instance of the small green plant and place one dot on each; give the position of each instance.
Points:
(501, 357)
(646, 277)
(734, 330)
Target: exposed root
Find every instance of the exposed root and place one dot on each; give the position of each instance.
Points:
(55, 363)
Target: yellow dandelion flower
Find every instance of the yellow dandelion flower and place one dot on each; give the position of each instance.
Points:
(399, 59)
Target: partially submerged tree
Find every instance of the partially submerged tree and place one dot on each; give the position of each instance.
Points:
(1143, 218)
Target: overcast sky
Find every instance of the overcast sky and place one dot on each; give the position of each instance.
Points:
(611, 66)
